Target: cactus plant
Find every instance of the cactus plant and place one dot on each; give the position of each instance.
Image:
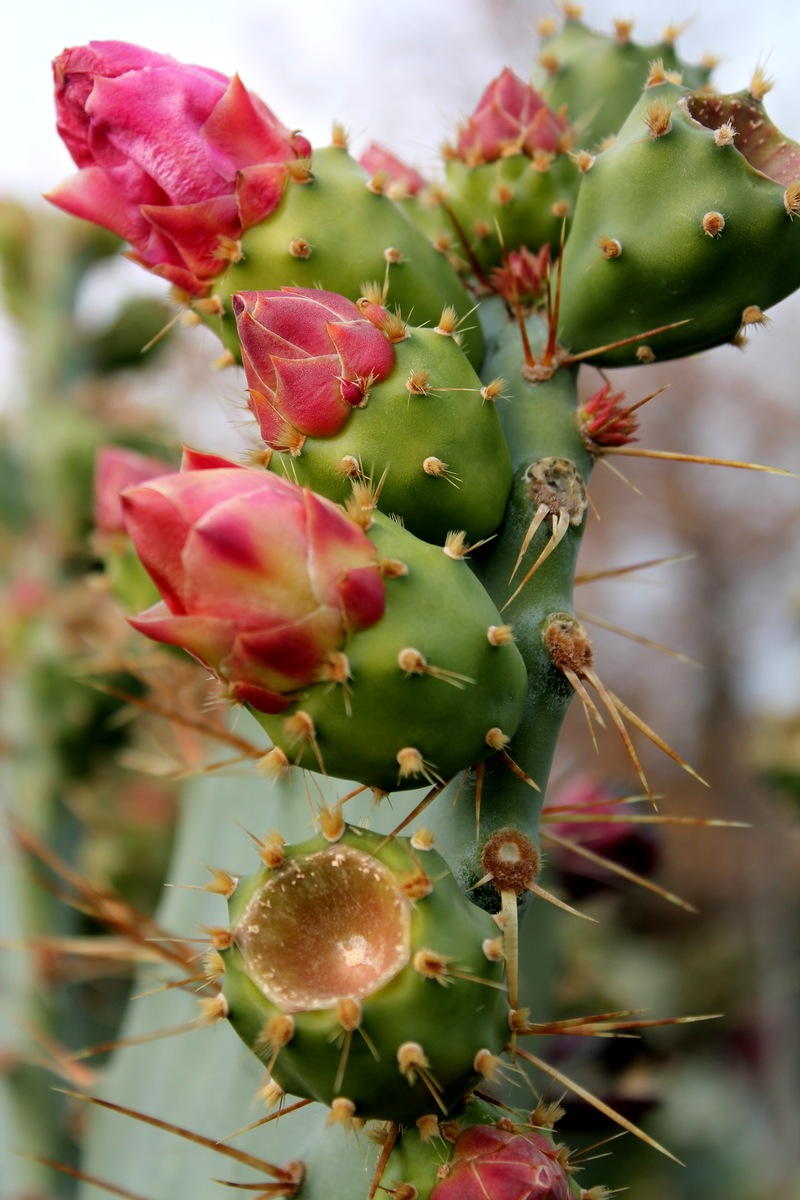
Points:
(386, 586)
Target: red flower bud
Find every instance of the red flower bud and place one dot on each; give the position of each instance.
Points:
(605, 420)
(261, 580)
(497, 1164)
(309, 357)
(523, 276)
(511, 118)
(178, 160)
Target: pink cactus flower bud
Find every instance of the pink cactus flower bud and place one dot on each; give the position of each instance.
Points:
(605, 420)
(524, 275)
(490, 1163)
(178, 160)
(401, 179)
(588, 813)
(511, 118)
(116, 468)
(261, 580)
(310, 357)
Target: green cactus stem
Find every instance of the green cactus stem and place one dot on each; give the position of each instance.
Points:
(551, 467)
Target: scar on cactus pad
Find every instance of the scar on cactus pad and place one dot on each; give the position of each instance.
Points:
(359, 974)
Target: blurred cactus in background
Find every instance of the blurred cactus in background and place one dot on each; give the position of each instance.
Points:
(322, 680)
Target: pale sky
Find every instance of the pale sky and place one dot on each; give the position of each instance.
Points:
(404, 73)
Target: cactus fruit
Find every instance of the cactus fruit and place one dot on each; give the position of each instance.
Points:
(335, 231)
(510, 180)
(340, 396)
(426, 691)
(705, 238)
(275, 590)
(401, 1013)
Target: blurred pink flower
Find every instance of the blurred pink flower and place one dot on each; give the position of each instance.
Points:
(401, 179)
(593, 817)
(117, 467)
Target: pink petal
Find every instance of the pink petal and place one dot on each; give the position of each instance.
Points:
(292, 652)
(377, 158)
(364, 351)
(336, 546)
(363, 597)
(93, 195)
(201, 460)
(196, 231)
(153, 118)
(308, 394)
(276, 431)
(259, 698)
(158, 532)
(244, 130)
(205, 638)
(259, 191)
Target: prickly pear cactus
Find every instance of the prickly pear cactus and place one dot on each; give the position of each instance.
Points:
(382, 589)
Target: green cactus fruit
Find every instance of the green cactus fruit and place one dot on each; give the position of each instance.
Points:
(510, 179)
(331, 230)
(687, 217)
(599, 77)
(430, 432)
(414, 697)
(526, 199)
(363, 978)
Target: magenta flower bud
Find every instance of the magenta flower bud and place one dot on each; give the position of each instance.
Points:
(605, 419)
(178, 160)
(310, 357)
(588, 812)
(511, 118)
(490, 1163)
(261, 580)
(523, 276)
(117, 468)
(402, 180)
